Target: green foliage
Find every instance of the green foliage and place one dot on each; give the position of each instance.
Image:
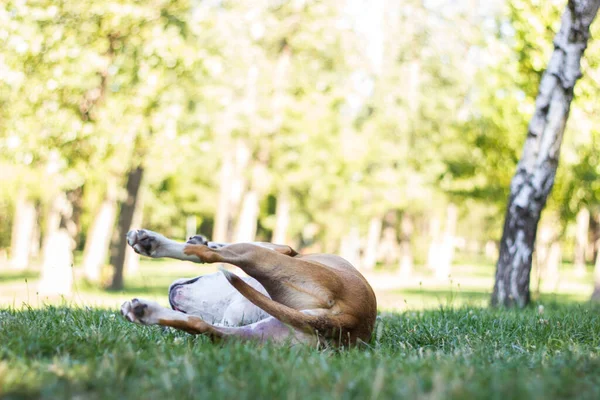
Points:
(463, 353)
(353, 120)
(483, 151)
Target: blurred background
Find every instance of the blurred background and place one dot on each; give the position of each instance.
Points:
(384, 131)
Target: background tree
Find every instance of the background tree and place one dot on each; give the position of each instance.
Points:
(537, 168)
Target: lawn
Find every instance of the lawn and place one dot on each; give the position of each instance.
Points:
(435, 339)
(461, 353)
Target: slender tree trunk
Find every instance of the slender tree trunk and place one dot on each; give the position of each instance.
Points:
(282, 218)
(190, 226)
(99, 235)
(75, 199)
(36, 236)
(581, 240)
(536, 170)
(435, 244)
(350, 247)
(59, 243)
(446, 256)
(222, 215)
(23, 229)
(387, 251)
(596, 293)
(553, 264)
(491, 250)
(132, 259)
(248, 219)
(126, 212)
(373, 236)
(406, 257)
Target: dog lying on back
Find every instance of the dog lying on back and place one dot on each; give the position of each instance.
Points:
(288, 297)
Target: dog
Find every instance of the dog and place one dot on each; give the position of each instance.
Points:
(286, 298)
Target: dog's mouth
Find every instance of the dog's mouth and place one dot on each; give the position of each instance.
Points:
(173, 293)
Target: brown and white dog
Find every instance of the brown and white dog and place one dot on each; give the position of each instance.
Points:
(287, 297)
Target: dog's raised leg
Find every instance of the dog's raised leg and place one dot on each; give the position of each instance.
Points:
(155, 245)
(145, 312)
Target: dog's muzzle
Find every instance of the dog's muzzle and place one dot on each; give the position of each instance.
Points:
(173, 292)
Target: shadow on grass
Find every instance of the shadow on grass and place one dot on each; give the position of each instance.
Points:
(11, 276)
(477, 296)
(133, 289)
(445, 293)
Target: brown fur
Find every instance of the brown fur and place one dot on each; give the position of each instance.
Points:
(320, 293)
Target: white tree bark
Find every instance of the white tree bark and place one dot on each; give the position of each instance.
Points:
(97, 242)
(446, 256)
(581, 240)
(57, 271)
(23, 231)
(406, 257)
(373, 236)
(536, 170)
(596, 293)
(350, 247)
(248, 219)
(435, 244)
(388, 250)
(282, 218)
(222, 215)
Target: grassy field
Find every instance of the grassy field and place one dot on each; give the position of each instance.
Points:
(435, 339)
(458, 353)
(470, 284)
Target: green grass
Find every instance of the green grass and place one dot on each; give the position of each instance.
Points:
(462, 353)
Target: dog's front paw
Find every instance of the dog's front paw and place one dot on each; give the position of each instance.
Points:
(197, 239)
(141, 312)
(145, 242)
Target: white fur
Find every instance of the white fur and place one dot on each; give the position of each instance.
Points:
(211, 297)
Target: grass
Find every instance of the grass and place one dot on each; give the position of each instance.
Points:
(462, 353)
(470, 284)
(435, 339)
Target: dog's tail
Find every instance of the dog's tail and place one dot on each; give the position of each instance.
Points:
(289, 316)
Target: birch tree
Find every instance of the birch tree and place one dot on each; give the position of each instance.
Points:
(536, 170)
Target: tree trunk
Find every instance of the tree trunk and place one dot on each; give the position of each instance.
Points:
(59, 243)
(132, 259)
(406, 257)
(248, 219)
(387, 252)
(596, 294)
(553, 264)
(36, 236)
(536, 170)
(233, 184)
(282, 218)
(23, 231)
(350, 247)
(126, 212)
(581, 241)
(373, 236)
(435, 244)
(99, 235)
(222, 215)
(446, 256)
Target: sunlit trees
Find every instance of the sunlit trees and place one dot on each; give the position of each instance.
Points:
(536, 170)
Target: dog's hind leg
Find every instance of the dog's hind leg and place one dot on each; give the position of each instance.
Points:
(145, 312)
(293, 284)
